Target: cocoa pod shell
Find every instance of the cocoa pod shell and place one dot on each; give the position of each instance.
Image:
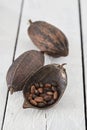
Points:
(52, 74)
(22, 68)
(48, 38)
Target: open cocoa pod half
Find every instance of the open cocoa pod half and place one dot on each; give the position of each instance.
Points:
(48, 38)
(22, 68)
(45, 87)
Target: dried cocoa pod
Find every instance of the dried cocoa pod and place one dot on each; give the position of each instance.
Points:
(22, 68)
(53, 74)
(48, 38)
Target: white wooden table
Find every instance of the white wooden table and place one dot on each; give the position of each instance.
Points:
(71, 17)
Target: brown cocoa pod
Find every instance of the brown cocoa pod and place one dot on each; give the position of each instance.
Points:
(52, 74)
(41, 85)
(22, 68)
(48, 38)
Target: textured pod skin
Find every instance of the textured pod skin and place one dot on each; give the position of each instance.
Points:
(48, 38)
(52, 73)
(24, 66)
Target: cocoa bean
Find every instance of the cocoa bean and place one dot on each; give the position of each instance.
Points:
(41, 85)
(50, 93)
(40, 90)
(37, 92)
(32, 89)
(55, 95)
(47, 85)
(33, 102)
(47, 89)
(41, 104)
(47, 98)
(54, 88)
(39, 99)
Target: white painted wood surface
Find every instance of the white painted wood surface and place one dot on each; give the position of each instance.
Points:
(84, 26)
(9, 14)
(68, 114)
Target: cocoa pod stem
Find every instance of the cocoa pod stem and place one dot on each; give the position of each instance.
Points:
(11, 90)
(30, 21)
(63, 65)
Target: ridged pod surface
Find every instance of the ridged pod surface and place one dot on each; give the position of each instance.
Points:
(48, 38)
(22, 68)
(52, 80)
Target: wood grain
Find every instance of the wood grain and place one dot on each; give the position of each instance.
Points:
(70, 109)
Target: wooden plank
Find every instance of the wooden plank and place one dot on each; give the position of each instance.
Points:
(69, 112)
(16, 116)
(84, 31)
(9, 14)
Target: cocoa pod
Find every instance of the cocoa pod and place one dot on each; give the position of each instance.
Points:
(48, 38)
(22, 68)
(48, 74)
(53, 88)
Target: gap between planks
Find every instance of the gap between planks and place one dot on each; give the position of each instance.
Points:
(14, 52)
(82, 57)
